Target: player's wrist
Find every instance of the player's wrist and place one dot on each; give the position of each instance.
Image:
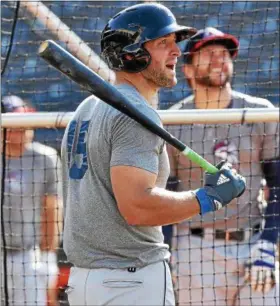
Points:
(204, 201)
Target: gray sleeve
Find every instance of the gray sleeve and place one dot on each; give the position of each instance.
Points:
(133, 145)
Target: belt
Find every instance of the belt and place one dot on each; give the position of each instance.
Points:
(16, 250)
(237, 235)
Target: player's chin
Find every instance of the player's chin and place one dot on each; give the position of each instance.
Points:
(171, 82)
(219, 81)
(171, 78)
(166, 80)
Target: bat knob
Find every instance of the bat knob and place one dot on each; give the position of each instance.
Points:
(44, 45)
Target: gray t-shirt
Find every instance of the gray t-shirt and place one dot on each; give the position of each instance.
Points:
(28, 180)
(100, 137)
(242, 145)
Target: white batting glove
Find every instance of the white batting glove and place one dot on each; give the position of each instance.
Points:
(260, 269)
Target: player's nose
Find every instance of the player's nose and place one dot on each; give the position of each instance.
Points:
(176, 50)
(218, 57)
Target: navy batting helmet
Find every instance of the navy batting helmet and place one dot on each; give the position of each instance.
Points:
(127, 32)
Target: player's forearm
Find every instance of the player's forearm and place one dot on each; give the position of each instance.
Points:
(51, 224)
(161, 207)
(49, 241)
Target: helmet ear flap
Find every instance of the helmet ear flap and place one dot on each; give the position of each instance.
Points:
(111, 46)
(114, 51)
(136, 62)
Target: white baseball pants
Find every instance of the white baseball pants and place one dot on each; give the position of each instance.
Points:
(25, 285)
(150, 285)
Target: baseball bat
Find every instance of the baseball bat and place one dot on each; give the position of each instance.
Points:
(78, 72)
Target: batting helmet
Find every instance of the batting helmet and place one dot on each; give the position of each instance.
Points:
(209, 36)
(126, 33)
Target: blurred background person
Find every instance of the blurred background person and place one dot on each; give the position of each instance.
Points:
(231, 254)
(32, 213)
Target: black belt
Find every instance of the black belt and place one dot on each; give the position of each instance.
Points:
(238, 235)
(15, 250)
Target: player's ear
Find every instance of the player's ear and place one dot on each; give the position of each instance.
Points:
(128, 57)
(29, 134)
(188, 71)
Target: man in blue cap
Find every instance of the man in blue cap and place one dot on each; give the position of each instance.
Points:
(226, 257)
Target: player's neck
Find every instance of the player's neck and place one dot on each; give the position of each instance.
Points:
(145, 89)
(212, 98)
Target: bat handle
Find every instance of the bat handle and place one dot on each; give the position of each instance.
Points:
(203, 163)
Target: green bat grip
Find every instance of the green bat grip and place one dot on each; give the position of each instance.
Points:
(199, 160)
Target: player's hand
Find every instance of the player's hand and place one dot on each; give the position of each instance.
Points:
(50, 271)
(52, 295)
(260, 269)
(220, 188)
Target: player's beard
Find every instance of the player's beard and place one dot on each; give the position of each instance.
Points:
(159, 77)
(208, 80)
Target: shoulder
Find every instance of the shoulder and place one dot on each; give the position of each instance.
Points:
(91, 100)
(86, 106)
(119, 119)
(250, 101)
(138, 101)
(186, 103)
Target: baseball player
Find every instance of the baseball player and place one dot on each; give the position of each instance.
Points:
(31, 215)
(115, 171)
(226, 257)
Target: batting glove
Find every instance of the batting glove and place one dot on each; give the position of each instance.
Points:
(260, 269)
(220, 188)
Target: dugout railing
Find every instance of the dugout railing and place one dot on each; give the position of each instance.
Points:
(168, 117)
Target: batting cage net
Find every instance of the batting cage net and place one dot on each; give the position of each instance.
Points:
(209, 254)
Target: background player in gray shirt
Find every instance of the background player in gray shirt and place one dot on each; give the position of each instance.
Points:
(32, 218)
(234, 234)
(115, 172)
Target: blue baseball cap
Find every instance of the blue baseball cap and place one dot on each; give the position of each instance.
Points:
(209, 36)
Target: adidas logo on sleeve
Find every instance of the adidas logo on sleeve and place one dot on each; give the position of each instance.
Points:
(222, 179)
